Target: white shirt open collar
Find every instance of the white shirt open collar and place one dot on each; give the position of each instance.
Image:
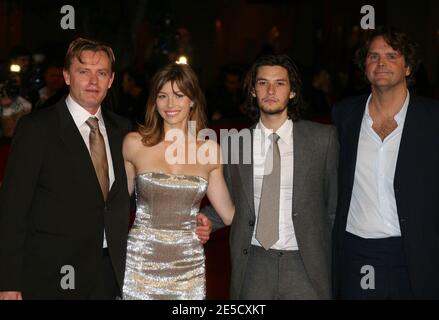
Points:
(399, 117)
(373, 212)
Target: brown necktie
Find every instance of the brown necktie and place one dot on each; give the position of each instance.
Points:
(267, 231)
(98, 155)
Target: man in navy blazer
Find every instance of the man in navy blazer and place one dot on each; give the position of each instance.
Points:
(386, 230)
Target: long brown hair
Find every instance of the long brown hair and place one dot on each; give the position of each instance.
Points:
(184, 77)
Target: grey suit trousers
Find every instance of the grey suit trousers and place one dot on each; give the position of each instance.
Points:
(276, 275)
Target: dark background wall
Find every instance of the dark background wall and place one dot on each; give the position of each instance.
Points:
(313, 32)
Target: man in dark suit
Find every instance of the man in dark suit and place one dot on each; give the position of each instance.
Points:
(284, 190)
(386, 235)
(64, 204)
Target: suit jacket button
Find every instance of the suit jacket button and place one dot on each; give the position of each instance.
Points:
(245, 251)
(402, 220)
(251, 223)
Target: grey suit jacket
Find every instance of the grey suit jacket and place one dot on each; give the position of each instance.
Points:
(314, 203)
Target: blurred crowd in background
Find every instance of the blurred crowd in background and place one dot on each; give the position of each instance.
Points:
(219, 39)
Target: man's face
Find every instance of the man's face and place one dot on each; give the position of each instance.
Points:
(90, 80)
(385, 67)
(272, 89)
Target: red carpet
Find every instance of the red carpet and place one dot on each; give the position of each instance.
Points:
(4, 150)
(218, 265)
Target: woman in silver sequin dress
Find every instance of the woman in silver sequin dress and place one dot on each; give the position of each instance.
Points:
(165, 258)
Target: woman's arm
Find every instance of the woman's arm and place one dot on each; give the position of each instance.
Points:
(128, 149)
(219, 195)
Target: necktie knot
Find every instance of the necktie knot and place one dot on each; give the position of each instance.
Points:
(92, 122)
(274, 137)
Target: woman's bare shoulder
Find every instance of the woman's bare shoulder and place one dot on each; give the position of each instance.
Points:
(132, 139)
(132, 143)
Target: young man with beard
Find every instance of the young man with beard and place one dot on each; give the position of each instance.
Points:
(285, 196)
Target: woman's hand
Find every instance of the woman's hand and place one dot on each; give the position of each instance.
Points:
(204, 228)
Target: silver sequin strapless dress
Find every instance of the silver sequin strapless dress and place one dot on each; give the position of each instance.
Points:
(165, 259)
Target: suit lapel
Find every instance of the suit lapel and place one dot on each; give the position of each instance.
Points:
(302, 153)
(412, 134)
(246, 175)
(79, 154)
(245, 170)
(115, 142)
(351, 135)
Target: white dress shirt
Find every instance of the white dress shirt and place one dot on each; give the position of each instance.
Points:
(80, 116)
(261, 144)
(373, 213)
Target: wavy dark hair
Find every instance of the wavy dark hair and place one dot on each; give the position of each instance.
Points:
(296, 107)
(399, 41)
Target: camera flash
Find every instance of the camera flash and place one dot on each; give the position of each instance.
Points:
(15, 68)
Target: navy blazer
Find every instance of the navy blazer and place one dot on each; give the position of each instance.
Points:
(416, 186)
